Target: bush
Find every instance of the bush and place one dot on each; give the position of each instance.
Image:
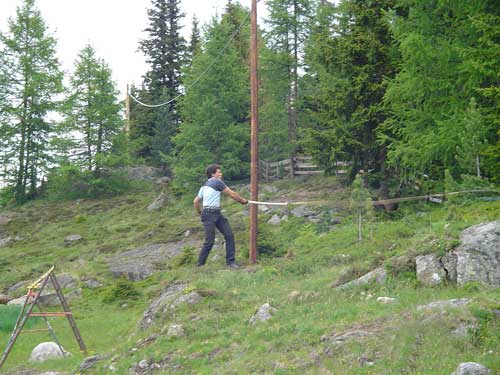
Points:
(70, 182)
(123, 291)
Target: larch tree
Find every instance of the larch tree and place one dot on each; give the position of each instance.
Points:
(32, 81)
(93, 111)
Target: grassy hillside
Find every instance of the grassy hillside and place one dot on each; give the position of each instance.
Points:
(299, 264)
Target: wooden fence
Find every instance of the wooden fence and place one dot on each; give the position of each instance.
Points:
(300, 166)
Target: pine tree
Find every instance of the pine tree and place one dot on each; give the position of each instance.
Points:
(351, 56)
(194, 46)
(32, 79)
(288, 28)
(215, 110)
(93, 111)
(165, 51)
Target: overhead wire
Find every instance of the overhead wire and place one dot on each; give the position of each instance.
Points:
(233, 35)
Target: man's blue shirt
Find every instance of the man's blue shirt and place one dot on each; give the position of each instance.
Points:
(210, 192)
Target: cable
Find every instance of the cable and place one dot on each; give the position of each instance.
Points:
(200, 76)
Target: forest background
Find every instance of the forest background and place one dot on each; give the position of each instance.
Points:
(405, 89)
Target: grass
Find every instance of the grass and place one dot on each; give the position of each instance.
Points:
(219, 339)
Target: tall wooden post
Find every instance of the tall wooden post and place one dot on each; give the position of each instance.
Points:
(254, 122)
(127, 111)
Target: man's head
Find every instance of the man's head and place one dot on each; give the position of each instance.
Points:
(213, 170)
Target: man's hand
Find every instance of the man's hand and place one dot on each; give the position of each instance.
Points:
(244, 201)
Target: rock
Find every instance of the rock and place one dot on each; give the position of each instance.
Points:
(91, 283)
(176, 330)
(342, 338)
(293, 296)
(143, 173)
(187, 233)
(449, 262)
(270, 188)
(378, 275)
(143, 364)
(386, 300)
(14, 288)
(47, 350)
(69, 240)
(158, 203)
(430, 270)
(6, 218)
(5, 241)
(453, 303)
(264, 313)
(478, 256)
(162, 180)
(17, 301)
(263, 208)
(189, 299)
(299, 211)
(4, 299)
(163, 301)
(49, 299)
(274, 220)
(471, 368)
(90, 362)
(140, 263)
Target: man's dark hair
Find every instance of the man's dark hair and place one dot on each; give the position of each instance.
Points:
(211, 169)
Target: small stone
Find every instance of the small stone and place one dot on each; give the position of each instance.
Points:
(386, 300)
(143, 364)
(274, 220)
(176, 330)
(69, 240)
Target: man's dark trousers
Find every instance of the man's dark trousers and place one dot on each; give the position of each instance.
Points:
(211, 219)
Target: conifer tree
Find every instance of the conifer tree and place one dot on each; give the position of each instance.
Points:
(215, 110)
(194, 46)
(93, 114)
(32, 80)
(165, 53)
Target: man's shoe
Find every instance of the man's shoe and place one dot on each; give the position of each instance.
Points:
(233, 266)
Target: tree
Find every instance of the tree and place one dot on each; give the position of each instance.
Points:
(350, 56)
(164, 50)
(194, 46)
(93, 114)
(288, 27)
(32, 80)
(215, 110)
(448, 51)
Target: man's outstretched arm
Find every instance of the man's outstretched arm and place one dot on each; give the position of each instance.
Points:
(235, 196)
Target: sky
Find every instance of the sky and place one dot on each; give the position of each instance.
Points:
(112, 27)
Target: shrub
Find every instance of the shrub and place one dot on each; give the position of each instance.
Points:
(123, 291)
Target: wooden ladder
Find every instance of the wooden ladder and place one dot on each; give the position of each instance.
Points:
(32, 296)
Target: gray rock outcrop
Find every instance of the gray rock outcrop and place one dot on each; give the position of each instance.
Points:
(478, 256)
(265, 312)
(141, 263)
(47, 350)
(476, 259)
(161, 304)
(91, 361)
(158, 203)
(378, 275)
(430, 270)
(453, 303)
(471, 368)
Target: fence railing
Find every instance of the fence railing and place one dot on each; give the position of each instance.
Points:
(298, 166)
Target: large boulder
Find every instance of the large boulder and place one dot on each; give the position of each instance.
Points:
(161, 304)
(47, 350)
(471, 368)
(430, 270)
(478, 256)
(140, 263)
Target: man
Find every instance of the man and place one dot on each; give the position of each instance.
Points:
(211, 215)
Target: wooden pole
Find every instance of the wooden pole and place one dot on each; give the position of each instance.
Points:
(127, 111)
(254, 124)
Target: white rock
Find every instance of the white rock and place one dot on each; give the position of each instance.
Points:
(47, 350)
(471, 368)
(386, 300)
